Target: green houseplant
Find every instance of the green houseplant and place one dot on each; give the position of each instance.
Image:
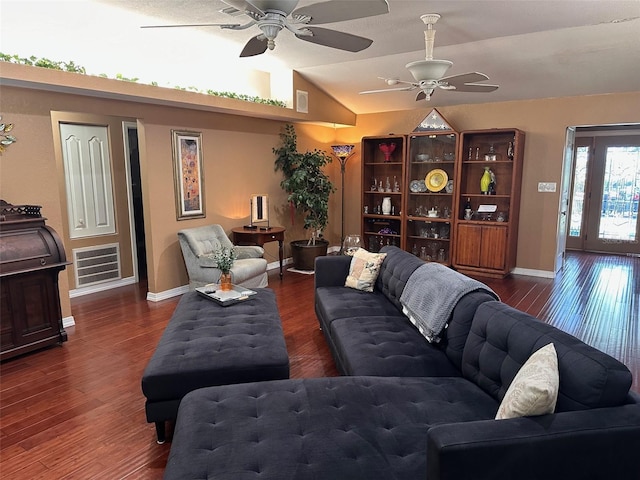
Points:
(224, 258)
(308, 189)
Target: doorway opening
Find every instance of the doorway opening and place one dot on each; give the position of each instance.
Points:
(135, 183)
(605, 190)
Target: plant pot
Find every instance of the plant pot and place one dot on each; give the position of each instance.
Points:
(304, 255)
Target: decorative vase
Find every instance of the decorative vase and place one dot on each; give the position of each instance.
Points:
(225, 282)
(387, 149)
(386, 206)
(351, 244)
(485, 181)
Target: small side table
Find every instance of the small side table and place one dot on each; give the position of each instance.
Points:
(256, 236)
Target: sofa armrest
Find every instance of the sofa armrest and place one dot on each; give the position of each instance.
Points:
(331, 270)
(597, 443)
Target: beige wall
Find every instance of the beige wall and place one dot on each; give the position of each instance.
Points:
(238, 161)
(544, 123)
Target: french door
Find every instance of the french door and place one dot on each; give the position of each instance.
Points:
(605, 195)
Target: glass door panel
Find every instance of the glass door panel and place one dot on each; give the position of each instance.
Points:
(577, 215)
(612, 223)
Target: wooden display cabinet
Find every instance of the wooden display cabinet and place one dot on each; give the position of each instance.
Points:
(431, 170)
(486, 243)
(382, 177)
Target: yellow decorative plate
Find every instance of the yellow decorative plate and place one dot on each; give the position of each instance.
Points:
(436, 180)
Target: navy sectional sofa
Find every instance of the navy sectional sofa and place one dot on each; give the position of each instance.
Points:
(408, 409)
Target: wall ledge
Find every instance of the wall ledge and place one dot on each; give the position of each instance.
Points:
(38, 78)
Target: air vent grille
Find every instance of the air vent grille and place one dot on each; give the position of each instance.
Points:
(96, 264)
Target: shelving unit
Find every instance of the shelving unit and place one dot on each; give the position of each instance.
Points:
(429, 208)
(427, 181)
(486, 243)
(382, 177)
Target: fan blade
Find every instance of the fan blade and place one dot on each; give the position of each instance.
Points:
(384, 90)
(471, 77)
(339, 11)
(334, 39)
(222, 25)
(256, 46)
(476, 87)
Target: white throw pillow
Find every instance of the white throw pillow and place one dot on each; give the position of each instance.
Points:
(364, 270)
(534, 389)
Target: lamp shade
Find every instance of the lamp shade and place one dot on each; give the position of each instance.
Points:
(426, 70)
(342, 151)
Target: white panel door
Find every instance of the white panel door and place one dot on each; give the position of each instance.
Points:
(87, 166)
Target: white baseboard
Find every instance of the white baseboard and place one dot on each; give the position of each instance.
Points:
(174, 292)
(78, 292)
(276, 265)
(533, 273)
(68, 322)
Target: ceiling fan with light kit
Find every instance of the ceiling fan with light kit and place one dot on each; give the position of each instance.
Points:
(429, 73)
(272, 16)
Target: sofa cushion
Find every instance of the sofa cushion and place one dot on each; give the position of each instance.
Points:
(534, 390)
(387, 346)
(364, 269)
(503, 338)
(340, 302)
(353, 428)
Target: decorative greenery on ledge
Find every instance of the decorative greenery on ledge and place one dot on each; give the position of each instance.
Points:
(72, 67)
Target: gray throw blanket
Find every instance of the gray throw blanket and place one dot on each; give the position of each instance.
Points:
(430, 295)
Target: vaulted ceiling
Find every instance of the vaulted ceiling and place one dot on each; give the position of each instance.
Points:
(532, 49)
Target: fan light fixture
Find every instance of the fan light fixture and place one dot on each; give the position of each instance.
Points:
(428, 69)
(429, 73)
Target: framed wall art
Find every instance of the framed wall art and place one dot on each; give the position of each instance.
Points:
(189, 174)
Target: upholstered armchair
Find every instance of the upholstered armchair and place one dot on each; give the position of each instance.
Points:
(198, 245)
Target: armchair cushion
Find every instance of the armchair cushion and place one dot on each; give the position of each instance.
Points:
(249, 251)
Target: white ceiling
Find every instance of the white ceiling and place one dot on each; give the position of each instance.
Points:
(532, 49)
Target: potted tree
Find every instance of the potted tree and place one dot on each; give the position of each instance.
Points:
(308, 189)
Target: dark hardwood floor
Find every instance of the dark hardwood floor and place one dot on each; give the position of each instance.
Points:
(77, 411)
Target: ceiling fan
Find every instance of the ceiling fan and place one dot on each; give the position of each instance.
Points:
(271, 16)
(428, 73)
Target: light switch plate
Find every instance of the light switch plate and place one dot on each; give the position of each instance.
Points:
(546, 186)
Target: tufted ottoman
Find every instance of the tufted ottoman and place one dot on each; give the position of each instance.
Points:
(206, 344)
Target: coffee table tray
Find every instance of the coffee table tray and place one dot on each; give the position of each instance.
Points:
(237, 294)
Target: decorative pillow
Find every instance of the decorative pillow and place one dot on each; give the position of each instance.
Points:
(364, 270)
(534, 389)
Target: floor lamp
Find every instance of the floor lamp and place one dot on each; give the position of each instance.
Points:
(342, 152)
